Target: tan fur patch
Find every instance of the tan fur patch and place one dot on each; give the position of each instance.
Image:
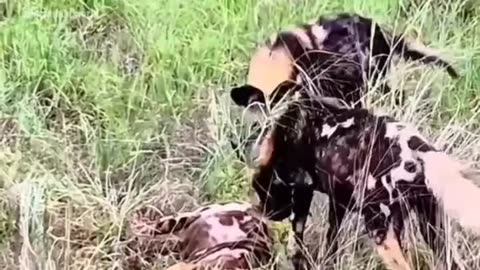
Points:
(268, 69)
(265, 151)
(445, 177)
(391, 252)
(182, 266)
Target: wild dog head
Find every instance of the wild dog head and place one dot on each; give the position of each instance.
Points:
(279, 70)
(271, 72)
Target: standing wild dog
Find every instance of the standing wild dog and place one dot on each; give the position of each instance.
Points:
(332, 58)
(361, 51)
(230, 236)
(381, 166)
(364, 52)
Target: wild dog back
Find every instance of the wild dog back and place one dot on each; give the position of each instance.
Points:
(343, 145)
(386, 166)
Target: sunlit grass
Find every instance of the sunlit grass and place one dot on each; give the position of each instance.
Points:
(108, 106)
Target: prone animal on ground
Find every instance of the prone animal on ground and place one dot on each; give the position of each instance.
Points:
(222, 236)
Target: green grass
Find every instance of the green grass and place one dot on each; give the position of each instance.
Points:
(108, 106)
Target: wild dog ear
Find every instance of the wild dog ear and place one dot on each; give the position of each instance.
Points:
(246, 94)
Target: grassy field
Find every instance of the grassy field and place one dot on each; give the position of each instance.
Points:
(111, 106)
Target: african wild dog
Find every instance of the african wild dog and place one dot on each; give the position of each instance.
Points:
(381, 166)
(363, 51)
(360, 50)
(225, 236)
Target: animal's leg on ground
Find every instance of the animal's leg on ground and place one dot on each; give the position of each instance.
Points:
(302, 199)
(384, 231)
(432, 228)
(338, 203)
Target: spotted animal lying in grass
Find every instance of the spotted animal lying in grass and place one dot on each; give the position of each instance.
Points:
(333, 57)
(378, 165)
(221, 236)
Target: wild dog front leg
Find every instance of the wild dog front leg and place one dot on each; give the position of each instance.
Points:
(389, 248)
(302, 199)
(384, 229)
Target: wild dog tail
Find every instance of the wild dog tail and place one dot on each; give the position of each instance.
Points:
(454, 186)
(417, 51)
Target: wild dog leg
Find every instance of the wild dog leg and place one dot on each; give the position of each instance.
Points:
(389, 248)
(302, 199)
(432, 228)
(385, 235)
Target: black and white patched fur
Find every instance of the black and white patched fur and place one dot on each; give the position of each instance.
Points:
(362, 50)
(333, 57)
(375, 164)
(222, 236)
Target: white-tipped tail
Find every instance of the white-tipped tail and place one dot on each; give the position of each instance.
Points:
(454, 188)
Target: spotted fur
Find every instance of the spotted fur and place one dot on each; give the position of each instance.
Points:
(359, 50)
(375, 164)
(334, 57)
(226, 236)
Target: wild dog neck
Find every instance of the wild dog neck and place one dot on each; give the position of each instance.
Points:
(289, 147)
(309, 120)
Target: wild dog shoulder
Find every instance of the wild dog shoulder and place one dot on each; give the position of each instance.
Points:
(343, 120)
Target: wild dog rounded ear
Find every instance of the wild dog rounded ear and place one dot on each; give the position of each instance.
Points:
(246, 94)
